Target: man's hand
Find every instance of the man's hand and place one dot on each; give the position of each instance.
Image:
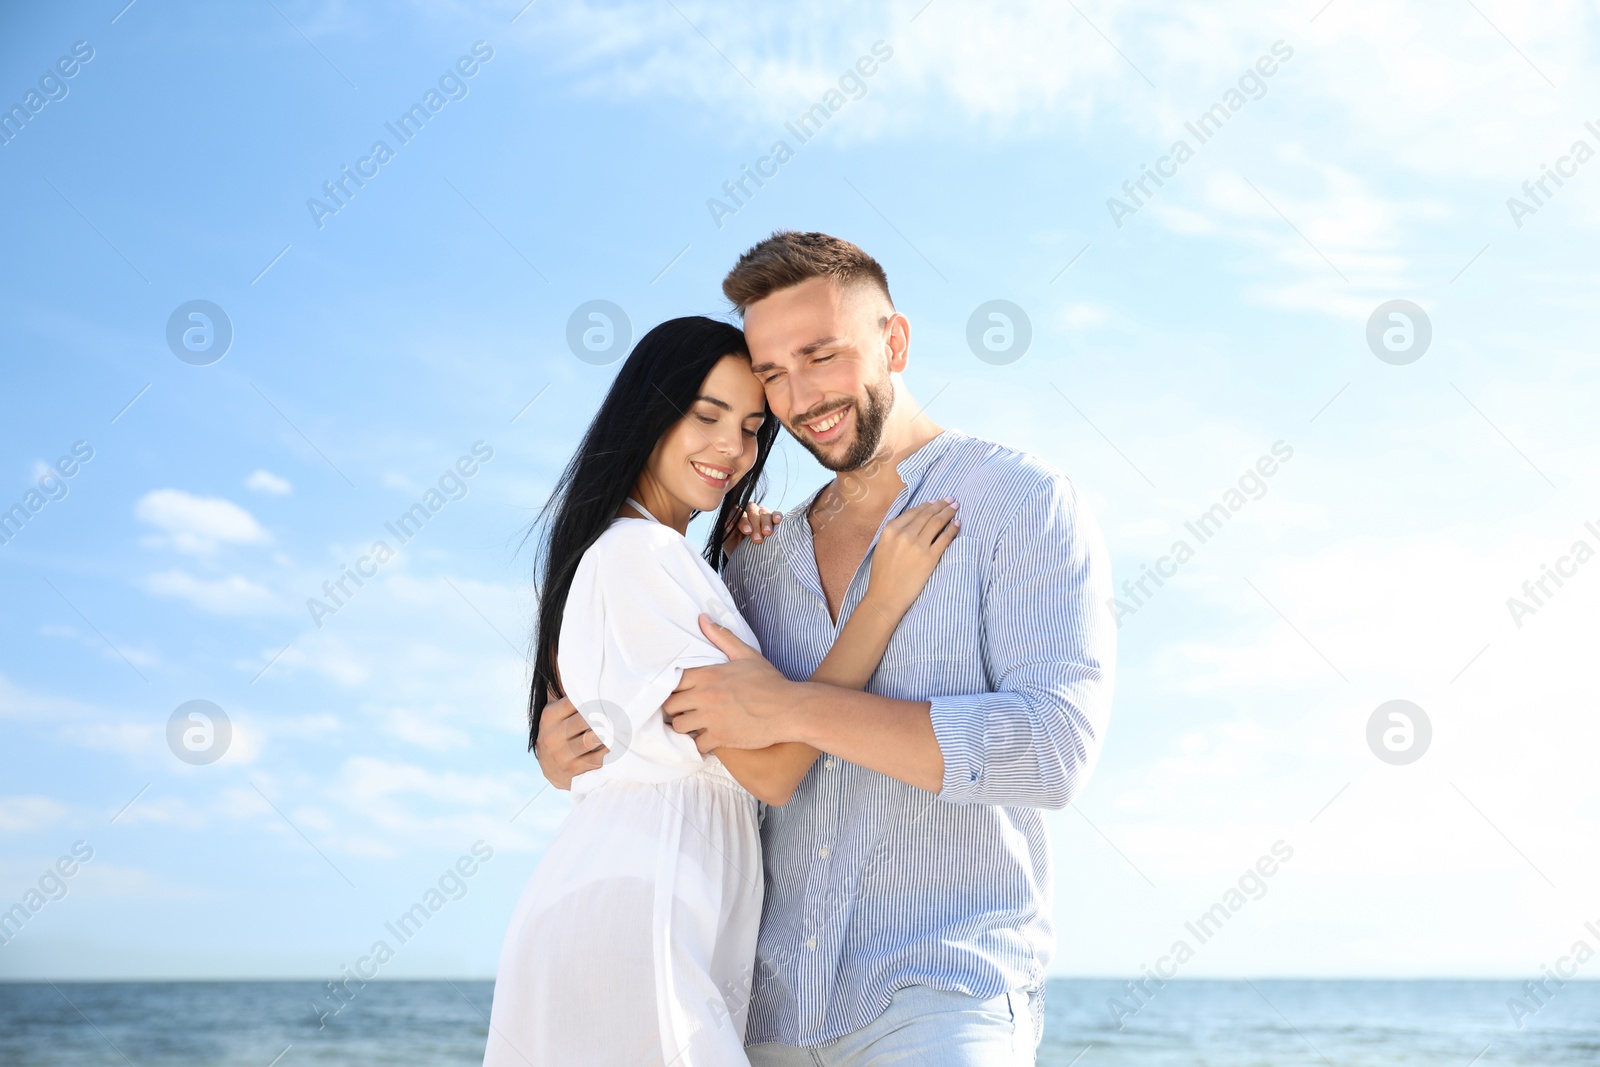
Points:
(739, 704)
(566, 746)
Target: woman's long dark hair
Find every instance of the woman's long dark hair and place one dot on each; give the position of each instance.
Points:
(654, 389)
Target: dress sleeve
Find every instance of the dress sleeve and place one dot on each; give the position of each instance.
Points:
(630, 629)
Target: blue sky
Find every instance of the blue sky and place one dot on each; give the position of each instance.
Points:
(429, 314)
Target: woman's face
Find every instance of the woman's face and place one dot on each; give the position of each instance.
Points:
(706, 452)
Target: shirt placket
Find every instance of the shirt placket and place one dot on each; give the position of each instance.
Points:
(826, 900)
(825, 926)
(815, 935)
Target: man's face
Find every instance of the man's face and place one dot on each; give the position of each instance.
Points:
(824, 357)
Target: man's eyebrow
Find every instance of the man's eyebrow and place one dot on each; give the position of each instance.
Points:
(803, 350)
(821, 342)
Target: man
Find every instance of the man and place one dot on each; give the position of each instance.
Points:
(907, 916)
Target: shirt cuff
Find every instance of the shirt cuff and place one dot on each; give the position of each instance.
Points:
(959, 728)
(987, 740)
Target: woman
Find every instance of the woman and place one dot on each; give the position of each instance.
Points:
(634, 941)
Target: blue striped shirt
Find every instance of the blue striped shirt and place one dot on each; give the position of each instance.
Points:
(873, 885)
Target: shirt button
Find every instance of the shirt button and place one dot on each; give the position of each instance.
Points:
(827, 764)
(812, 943)
(822, 852)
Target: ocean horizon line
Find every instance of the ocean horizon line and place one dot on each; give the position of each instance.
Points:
(1240, 978)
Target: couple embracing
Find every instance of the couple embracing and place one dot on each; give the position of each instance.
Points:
(810, 828)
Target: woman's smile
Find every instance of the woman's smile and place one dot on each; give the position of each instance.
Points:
(712, 474)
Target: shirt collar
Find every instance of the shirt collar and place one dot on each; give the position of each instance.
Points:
(914, 467)
(911, 470)
(793, 538)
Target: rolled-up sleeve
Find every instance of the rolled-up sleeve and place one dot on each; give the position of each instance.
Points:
(1049, 645)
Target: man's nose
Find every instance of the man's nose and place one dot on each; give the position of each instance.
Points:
(803, 396)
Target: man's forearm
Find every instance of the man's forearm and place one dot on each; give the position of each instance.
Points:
(892, 737)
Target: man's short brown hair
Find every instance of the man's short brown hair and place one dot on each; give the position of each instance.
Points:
(788, 258)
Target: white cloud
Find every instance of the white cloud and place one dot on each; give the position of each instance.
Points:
(101, 879)
(424, 729)
(369, 782)
(18, 814)
(1001, 62)
(314, 726)
(137, 733)
(1082, 316)
(232, 595)
(396, 480)
(197, 524)
(30, 706)
(239, 802)
(1021, 66)
(164, 811)
(267, 482)
(129, 738)
(323, 653)
(93, 642)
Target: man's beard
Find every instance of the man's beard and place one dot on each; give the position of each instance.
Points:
(870, 418)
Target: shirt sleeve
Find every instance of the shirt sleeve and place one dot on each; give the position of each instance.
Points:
(1049, 644)
(630, 629)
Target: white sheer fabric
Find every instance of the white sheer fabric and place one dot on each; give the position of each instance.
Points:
(634, 940)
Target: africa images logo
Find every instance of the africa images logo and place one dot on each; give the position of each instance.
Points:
(451, 86)
(1250, 86)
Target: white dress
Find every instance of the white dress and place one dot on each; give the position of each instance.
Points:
(634, 941)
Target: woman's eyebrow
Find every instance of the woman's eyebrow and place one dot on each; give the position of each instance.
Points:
(725, 406)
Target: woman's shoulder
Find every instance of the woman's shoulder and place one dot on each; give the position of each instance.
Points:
(635, 534)
(633, 549)
(651, 574)
(639, 577)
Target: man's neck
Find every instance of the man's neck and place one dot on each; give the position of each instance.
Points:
(874, 485)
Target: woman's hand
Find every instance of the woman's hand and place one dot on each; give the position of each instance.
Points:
(756, 523)
(908, 550)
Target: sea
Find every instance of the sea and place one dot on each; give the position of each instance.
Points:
(1088, 1023)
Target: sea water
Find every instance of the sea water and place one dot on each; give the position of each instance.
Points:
(1088, 1023)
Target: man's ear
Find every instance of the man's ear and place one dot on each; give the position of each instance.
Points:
(897, 340)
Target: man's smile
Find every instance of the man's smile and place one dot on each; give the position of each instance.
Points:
(830, 426)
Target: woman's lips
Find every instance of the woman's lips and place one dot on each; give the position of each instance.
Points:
(714, 475)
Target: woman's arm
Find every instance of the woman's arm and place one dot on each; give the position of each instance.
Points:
(906, 554)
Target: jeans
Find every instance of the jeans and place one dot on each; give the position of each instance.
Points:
(925, 1027)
